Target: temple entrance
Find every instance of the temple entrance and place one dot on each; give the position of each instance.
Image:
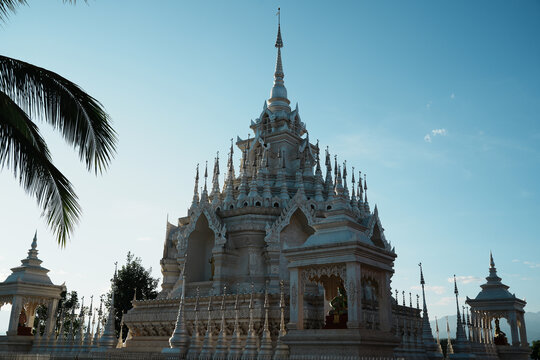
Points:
(200, 265)
(292, 235)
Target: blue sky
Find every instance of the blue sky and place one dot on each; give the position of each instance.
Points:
(437, 101)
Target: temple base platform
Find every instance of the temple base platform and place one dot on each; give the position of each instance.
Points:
(340, 343)
(513, 352)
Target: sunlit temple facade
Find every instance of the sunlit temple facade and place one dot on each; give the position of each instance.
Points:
(287, 260)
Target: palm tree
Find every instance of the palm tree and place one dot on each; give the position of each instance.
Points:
(28, 92)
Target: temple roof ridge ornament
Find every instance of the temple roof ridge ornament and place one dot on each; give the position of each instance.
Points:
(278, 95)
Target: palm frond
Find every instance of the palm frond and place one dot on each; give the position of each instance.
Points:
(23, 150)
(78, 116)
(8, 7)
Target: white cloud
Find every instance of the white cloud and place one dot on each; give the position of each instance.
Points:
(467, 279)
(145, 239)
(428, 105)
(531, 264)
(516, 261)
(435, 132)
(441, 132)
(452, 96)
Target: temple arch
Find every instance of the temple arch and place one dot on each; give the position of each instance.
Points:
(200, 243)
(376, 236)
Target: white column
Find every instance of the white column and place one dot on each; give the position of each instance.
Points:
(513, 328)
(522, 330)
(354, 295)
(296, 308)
(51, 316)
(16, 307)
(31, 314)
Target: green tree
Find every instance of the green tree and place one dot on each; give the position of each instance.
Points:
(535, 350)
(68, 303)
(132, 276)
(29, 92)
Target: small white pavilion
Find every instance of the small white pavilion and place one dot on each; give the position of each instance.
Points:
(27, 287)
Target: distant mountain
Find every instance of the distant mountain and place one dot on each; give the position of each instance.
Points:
(532, 321)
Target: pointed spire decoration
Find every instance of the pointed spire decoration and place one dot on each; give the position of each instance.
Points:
(282, 350)
(208, 342)
(120, 343)
(278, 96)
(366, 203)
(345, 187)
(427, 335)
(462, 346)
(265, 350)
(449, 347)
(329, 185)
(339, 182)
(204, 195)
(228, 201)
(195, 343)
(108, 339)
(318, 179)
(235, 350)
(354, 200)
(195, 200)
(251, 348)
(221, 345)
(88, 335)
(214, 195)
(439, 348)
(179, 340)
(318, 161)
(95, 342)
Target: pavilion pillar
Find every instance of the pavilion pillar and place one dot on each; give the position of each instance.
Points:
(16, 307)
(513, 328)
(487, 325)
(354, 299)
(296, 316)
(51, 316)
(30, 309)
(522, 330)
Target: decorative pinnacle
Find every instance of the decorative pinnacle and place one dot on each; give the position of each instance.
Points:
(279, 41)
(34, 241)
(422, 282)
(205, 175)
(491, 262)
(32, 252)
(457, 301)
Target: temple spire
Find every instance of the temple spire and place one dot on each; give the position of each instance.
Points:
(278, 96)
(427, 335)
(195, 200)
(215, 181)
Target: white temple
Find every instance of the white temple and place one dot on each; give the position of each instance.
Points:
(288, 261)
